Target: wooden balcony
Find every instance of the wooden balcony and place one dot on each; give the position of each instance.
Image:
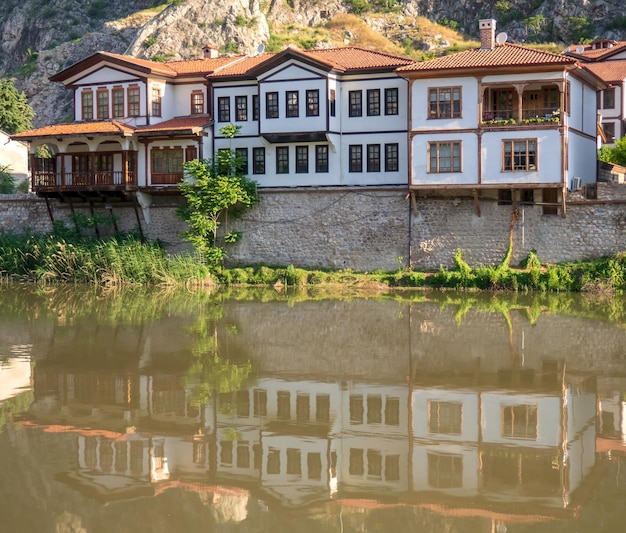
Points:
(49, 183)
(527, 118)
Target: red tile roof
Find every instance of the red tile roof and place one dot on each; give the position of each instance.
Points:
(342, 59)
(351, 58)
(506, 55)
(595, 51)
(176, 124)
(111, 127)
(201, 66)
(608, 71)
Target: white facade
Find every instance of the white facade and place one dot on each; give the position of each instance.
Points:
(14, 154)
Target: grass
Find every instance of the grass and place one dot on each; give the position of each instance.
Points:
(126, 260)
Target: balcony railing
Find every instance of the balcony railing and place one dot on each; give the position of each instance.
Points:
(499, 117)
(78, 180)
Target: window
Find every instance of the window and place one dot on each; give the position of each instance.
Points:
(609, 131)
(226, 452)
(133, 101)
(356, 409)
(292, 104)
(294, 463)
(444, 102)
(520, 154)
(374, 409)
(283, 405)
(373, 102)
(392, 468)
(303, 408)
(241, 160)
(102, 96)
(197, 102)
(260, 402)
(332, 100)
(519, 421)
(243, 454)
(223, 109)
(314, 465)
(255, 107)
(167, 165)
(258, 160)
(391, 157)
(355, 467)
(392, 412)
(321, 158)
(282, 160)
(391, 101)
(355, 100)
(322, 407)
(273, 461)
(445, 417)
(312, 103)
(445, 471)
(444, 157)
(356, 158)
(271, 105)
(608, 98)
(118, 102)
(86, 100)
(302, 159)
(373, 157)
(241, 108)
(374, 464)
(156, 102)
(243, 403)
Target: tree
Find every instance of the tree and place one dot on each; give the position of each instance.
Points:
(615, 154)
(15, 113)
(215, 189)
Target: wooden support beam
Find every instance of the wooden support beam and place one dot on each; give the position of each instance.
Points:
(94, 218)
(413, 203)
(476, 201)
(135, 204)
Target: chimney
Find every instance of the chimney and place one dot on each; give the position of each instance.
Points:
(210, 52)
(487, 29)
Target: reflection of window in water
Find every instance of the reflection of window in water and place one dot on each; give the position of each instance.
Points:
(199, 451)
(260, 402)
(273, 461)
(322, 407)
(445, 417)
(374, 409)
(226, 453)
(445, 471)
(356, 409)
(225, 402)
(243, 403)
(302, 406)
(91, 451)
(136, 457)
(243, 454)
(374, 464)
(392, 468)
(519, 421)
(106, 455)
(257, 451)
(392, 412)
(356, 462)
(294, 466)
(121, 456)
(532, 472)
(283, 404)
(314, 465)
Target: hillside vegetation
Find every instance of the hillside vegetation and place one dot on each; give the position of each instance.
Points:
(40, 38)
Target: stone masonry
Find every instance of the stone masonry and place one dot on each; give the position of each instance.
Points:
(367, 229)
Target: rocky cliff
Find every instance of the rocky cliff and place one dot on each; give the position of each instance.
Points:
(41, 37)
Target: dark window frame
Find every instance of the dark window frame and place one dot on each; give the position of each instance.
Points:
(271, 105)
(355, 159)
(321, 158)
(258, 160)
(312, 102)
(392, 101)
(282, 160)
(241, 108)
(355, 103)
(373, 157)
(373, 102)
(223, 108)
(302, 159)
(292, 104)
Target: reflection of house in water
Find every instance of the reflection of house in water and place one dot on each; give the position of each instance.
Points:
(496, 443)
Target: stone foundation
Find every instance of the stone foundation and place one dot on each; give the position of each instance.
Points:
(368, 229)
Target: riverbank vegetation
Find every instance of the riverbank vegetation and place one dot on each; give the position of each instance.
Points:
(126, 260)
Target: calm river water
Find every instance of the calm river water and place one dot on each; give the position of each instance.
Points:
(254, 411)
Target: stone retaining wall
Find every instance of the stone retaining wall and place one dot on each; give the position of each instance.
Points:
(368, 229)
